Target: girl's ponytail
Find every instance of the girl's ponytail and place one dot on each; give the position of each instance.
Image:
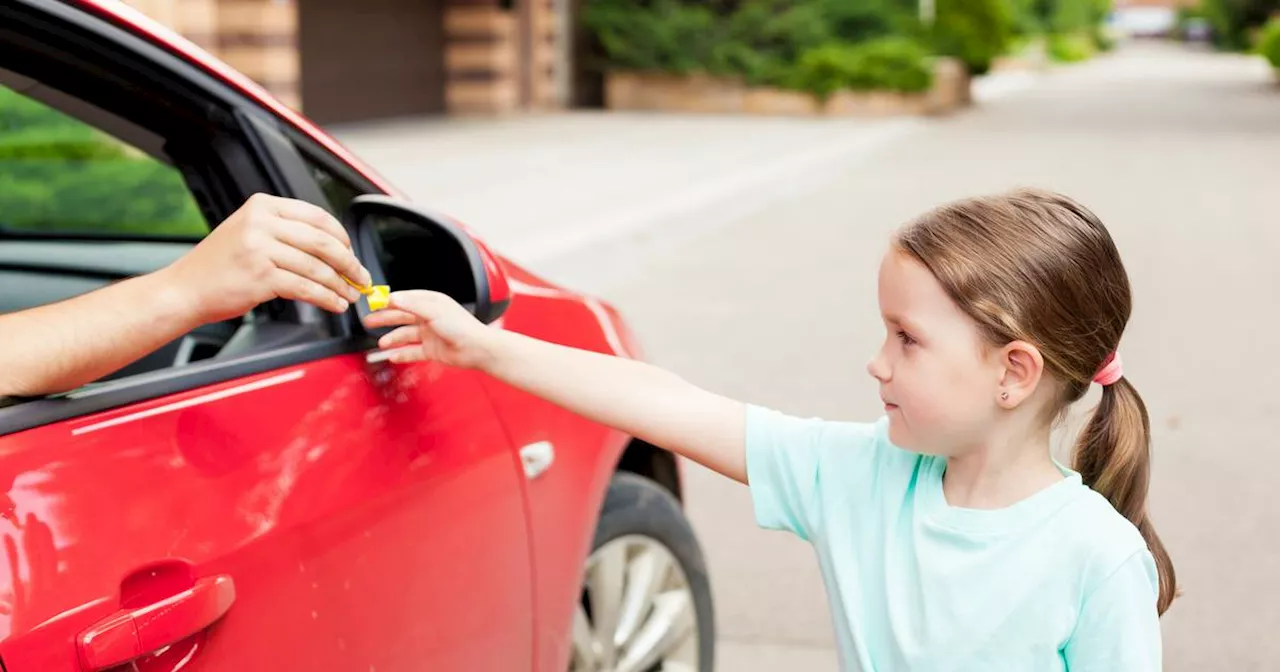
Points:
(1113, 457)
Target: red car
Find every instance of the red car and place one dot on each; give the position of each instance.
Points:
(266, 494)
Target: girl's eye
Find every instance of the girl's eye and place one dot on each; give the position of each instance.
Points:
(906, 338)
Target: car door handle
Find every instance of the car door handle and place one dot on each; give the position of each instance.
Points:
(130, 633)
(537, 458)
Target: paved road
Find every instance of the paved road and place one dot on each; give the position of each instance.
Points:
(749, 269)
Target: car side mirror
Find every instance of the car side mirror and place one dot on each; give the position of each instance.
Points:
(409, 248)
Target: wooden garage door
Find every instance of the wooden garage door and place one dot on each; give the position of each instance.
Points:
(371, 59)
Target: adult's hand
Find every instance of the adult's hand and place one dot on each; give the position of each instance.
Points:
(271, 247)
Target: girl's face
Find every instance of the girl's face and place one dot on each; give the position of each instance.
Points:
(939, 379)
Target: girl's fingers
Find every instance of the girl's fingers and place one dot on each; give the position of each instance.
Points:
(423, 303)
(406, 355)
(407, 335)
(389, 317)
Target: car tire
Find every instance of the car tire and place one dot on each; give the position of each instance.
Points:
(646, 583)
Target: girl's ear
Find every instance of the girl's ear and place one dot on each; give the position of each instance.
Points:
(1023, 367)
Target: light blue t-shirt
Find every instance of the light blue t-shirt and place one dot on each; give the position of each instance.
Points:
(1058, 581)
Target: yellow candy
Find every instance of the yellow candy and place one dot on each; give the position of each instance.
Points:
(379, 297)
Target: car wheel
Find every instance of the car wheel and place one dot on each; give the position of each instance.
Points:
(646, 600)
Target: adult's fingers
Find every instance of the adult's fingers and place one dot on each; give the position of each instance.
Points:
(289, 285)
(311, 214)
(325, 248)
(300, 263)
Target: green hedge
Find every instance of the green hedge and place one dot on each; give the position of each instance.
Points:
(668, 36)
(1234, 21)
(975, 31)
(1075, 29)
(1071, 48)
(805, 44)
(60, 175)
(764, 39)
(796, 44)
(1103, 39)
(893, 64)
(1269, 42)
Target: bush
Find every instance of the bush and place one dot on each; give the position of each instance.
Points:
(853, 21)
(665, 36)
(812, 45)
(892, 64)
(1074, 16)
(1030, 17)
(895, 64)
(1102, 39)
(1071, 48)
(975, 31)
(1076, 30)
(1269, 42)
(1233, 20)
(781, 29)
(763, 39)
(824, 70)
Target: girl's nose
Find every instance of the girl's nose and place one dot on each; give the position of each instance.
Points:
(877, 368)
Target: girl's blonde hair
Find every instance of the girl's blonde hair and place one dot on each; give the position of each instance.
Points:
(1038, 267)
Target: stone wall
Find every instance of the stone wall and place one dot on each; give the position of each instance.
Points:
(497, 59)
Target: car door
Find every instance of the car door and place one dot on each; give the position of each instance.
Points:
(471, 590)
(288, 506)
(365, 516)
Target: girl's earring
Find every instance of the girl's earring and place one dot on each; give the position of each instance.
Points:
(1004, 396)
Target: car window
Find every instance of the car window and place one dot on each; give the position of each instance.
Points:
(337, 191)
(106, 201)
(60, 175)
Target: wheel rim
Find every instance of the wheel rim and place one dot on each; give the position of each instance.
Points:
(637, 612)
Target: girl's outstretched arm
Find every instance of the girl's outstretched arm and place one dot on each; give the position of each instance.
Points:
(640, 399)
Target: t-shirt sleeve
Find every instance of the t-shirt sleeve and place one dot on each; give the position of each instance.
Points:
(1119, 628)
(785, 460)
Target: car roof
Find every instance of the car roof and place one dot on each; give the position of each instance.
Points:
(143, 26)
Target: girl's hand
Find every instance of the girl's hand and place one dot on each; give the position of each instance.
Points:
(432, 327)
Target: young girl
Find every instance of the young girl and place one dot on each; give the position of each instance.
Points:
(949, 538)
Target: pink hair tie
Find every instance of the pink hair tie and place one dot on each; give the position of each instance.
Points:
(1110, 371)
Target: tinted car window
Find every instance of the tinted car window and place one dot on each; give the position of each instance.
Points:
(60, 175)
(337, 192)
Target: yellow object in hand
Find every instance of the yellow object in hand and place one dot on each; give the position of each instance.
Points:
(378, 295)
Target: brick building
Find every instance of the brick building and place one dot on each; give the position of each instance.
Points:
(355, 60)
